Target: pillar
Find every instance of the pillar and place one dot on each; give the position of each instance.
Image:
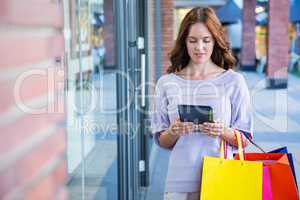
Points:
(278, 44)
(248, 36)
(167, 40)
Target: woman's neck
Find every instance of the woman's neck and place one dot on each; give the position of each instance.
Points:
(200, 69)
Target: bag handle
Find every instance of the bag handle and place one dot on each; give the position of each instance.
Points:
(240, 147)
(252, 142)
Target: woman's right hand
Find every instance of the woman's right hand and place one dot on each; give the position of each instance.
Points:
(180, 128)
(169, 137)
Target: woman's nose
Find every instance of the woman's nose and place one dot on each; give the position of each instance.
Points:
(199, 46)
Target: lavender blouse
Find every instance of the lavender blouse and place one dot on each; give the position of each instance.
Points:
(227, 94)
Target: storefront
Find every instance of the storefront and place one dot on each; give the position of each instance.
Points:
(106, 56)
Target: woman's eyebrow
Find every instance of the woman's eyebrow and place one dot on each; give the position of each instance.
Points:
(192, 37)
(207, 37)
(204, 37)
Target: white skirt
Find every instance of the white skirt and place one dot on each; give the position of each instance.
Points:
(181, 196)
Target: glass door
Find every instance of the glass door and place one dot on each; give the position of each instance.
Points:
(92, 130)
(106, 68)
(131, 83)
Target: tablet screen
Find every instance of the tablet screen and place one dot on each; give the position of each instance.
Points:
(197, 114)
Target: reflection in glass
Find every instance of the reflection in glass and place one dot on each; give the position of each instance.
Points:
(89, 130)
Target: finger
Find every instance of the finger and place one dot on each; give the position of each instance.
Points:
(213, 125)
(206, 131)
(207, 127)
(186, 124)
(208, 124)
(189, 123)
(177, 120)
(198, 127)
(181, 128)
(217, 129)
(211, 132)
(189, 128)
(217, 133)
(218, 125)
(214, 133)
(175, 129)
(192, 126)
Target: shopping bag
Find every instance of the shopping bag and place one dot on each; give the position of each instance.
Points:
(266, 184)
(231, 179)
(283, 184)
(279, 150)
(290, 158)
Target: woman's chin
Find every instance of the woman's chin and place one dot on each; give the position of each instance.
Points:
(199, 61)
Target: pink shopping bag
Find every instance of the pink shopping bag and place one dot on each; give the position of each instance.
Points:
(267, 190)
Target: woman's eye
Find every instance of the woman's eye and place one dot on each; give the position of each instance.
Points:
(206, 40)
(192, 41)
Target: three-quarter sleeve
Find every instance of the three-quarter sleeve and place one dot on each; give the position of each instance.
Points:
(241, 111)
(159, 116)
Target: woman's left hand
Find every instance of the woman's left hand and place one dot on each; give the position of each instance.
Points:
(216, 128)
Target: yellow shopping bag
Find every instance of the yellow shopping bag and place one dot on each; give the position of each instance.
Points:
(224, 179)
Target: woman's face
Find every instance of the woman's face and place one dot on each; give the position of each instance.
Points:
(200, 43)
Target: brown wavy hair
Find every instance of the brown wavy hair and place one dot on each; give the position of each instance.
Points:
(221, 55)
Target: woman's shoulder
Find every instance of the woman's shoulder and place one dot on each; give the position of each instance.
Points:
(235, 77)
(237, 81)
(165, 79)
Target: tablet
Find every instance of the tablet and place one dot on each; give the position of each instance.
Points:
(197, 114)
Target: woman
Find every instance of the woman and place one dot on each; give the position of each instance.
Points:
(200, 74)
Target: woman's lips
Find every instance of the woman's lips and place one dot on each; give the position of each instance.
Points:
(199, 55)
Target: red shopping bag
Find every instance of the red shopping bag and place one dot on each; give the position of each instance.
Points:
(283, 184)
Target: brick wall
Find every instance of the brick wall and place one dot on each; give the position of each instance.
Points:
(32, 145)
(167, 41)
(109, 34)
(248, 36)
(278, 43)
(151, 43)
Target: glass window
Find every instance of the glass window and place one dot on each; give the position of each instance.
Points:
(91, 102)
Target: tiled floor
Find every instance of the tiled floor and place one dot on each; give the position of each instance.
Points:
(100, 132)
(100, 176)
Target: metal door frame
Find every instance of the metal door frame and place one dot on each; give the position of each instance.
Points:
(132, 154)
